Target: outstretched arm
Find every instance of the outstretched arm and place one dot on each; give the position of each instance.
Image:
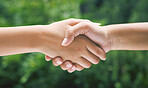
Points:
(15, 40)
(27, 39)
(132, 36)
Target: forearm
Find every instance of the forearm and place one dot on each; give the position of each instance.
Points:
(128, 36)
(15, 40)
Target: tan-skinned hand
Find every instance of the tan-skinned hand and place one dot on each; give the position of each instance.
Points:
(82, 52)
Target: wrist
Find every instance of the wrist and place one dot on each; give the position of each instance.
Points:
(23, 39)
(35, 42)
(50, 40)
(116, 36)
(110, 37)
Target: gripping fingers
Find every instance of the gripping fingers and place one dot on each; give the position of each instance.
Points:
(75, 67)
(66, 65)
(57, 61)
(72, 69)
(91, 57)
(96, 50)
(79, 67)
(83, 62)
(47, 58)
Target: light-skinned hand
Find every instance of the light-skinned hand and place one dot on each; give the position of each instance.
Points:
(80, 54)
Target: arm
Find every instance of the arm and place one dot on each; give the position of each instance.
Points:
(16, 40)
(27, 39)
(112, 37)
(133, 36)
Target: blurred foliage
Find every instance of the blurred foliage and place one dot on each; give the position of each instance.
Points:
(122, 69)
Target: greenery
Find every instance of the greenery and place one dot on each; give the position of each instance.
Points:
(122, 69)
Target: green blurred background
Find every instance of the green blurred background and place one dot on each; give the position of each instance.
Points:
(122, 69)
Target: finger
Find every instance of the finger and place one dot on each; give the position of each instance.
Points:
(66, 65)
(81, 28)
(72, 69)
(83, 62)
(57, 61)
(47, 58)
(79, 67)
(96, 50)
(75, 67)
(91, 57)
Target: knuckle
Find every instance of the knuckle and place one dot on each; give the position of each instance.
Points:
(53, 61)
(69, 32)
(63, 68)
(69, 70)
(85, 24)
(55, 64)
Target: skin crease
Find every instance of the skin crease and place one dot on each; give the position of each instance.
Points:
(47, 39)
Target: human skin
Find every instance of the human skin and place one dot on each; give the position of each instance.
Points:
(47, 39)
(132, 36)
(81, 53)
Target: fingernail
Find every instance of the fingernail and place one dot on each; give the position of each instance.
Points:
(47, 59)
(68, 65)
(70, 71)
(58, 62)
(64, 41)
(104, 59)
(73, 68)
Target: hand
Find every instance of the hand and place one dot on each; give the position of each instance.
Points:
(93, 31)
(81, 52)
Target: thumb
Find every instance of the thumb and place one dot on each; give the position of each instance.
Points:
(69, 37)
(47, 58)
(74, 31)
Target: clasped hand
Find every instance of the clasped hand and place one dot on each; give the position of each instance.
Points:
(80, 53)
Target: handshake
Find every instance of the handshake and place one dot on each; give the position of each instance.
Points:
(76, 52)
(74, 44)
